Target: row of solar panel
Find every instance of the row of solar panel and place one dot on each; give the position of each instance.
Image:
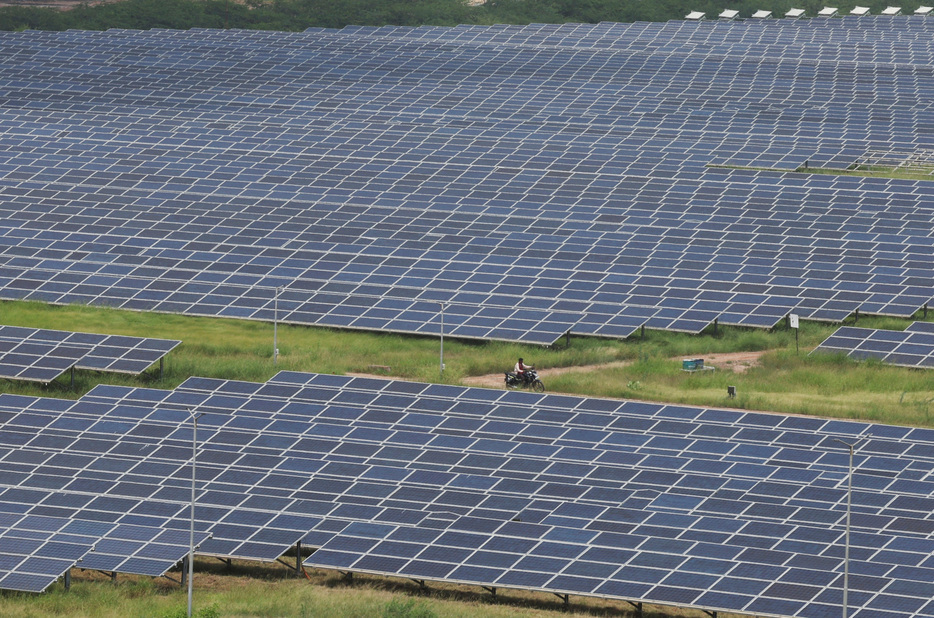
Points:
(795, 140)
(527, 319)
(699, 244)
(323, 445)
(354, 172)
(735, 558)
(469, 104)
(671, 313)
(39, 549)
(42, 355)
(913, 347)
(728, 266)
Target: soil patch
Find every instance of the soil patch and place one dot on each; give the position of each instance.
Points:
(737, 362)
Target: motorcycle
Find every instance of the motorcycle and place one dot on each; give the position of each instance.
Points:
(528, 380)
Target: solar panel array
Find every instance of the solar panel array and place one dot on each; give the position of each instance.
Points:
(41, 355)
(913, 347)
(534, 179)
(41, 361)
(718, 509)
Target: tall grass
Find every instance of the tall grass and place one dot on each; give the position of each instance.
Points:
(271, 591)
(784, 381)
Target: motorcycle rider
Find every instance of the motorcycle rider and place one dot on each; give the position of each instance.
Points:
(520, 370)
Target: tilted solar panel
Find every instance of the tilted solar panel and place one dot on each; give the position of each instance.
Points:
(439, 187)
(913, 347)
(42, 354)
(680, 489)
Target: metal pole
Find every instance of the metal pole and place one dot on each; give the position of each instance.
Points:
(442, 340)
(275, 329)
(846, 552)
(191, 534)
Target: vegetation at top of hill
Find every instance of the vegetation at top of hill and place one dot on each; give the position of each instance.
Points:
(297, 15)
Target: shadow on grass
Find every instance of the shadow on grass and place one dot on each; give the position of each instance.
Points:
(440, 591)
(476, 595)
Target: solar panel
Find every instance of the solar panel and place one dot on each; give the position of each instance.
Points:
(36, 354)
(550, 492)
(36, 556)
(913, 347)
(37, 361)
(531, 207)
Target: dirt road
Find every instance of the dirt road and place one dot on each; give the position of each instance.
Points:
(737, 362)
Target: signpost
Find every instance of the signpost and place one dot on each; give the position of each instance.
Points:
(793, 323)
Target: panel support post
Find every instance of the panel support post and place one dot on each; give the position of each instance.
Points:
(113, 578)
(161, 369)
(638, 607)
(490, 589)
(564, 597)
(711, 614)
(298, 559)
(68, 579)
(642, 334)
(185, 571)
(567, 339)
(72, 377)
(715, 323)
(925, 311)
(421, 584)
(856, 316)
(348, 575)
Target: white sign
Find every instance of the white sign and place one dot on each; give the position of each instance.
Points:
(793, 320)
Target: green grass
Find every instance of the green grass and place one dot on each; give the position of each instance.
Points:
(249, 590)
(784, 381)
(917, 172)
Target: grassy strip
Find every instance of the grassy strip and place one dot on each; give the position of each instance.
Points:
(784, 381)
(868, 171)
(822, 385)
(250, 590)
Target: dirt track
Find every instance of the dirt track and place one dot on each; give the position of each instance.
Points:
(737, 362)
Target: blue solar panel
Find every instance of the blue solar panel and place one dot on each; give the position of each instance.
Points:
(577, 201)
(42, 354)
(744, 461)
(913, 347)
(371, 218)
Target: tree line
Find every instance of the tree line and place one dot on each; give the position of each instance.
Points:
(297, 15)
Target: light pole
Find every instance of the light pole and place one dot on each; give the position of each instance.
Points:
(191, 535)
(275, 329)
(846, 553)
(442, 340)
